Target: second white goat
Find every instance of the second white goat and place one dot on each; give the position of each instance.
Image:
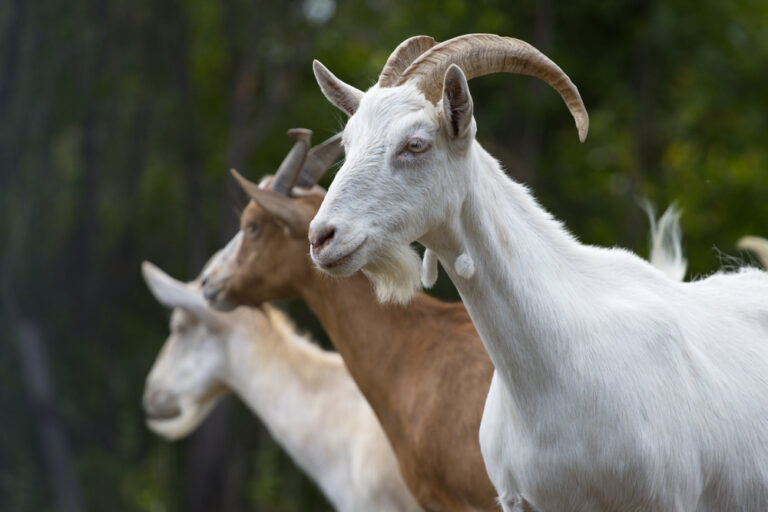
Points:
(303, 394)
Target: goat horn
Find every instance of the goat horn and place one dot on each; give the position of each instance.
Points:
(483, 54)
(247, 185)
(402, 57)
(289, 169)
(318, 160)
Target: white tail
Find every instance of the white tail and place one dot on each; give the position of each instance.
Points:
(667, 242)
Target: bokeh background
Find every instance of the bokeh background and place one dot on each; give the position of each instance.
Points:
(119, 120)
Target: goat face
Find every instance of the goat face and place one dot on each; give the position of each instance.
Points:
(398, 182)
(409, 145)
(185, 381)
(268, 254)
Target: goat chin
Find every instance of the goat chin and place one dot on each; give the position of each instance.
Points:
(395, 274)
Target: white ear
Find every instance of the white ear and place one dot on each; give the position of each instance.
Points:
(457, 103)
(428, 269)
(344, 96)
(172, 293)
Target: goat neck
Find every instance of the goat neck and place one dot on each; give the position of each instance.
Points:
(528, 271)
(311, 406)
(374, 339)
(413, 363)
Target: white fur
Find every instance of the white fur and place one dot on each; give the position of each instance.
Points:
(464, 266)
(221, 264)
(304, 395)
(616, 388)
(395, 274)
(428, 269)
(666, 242)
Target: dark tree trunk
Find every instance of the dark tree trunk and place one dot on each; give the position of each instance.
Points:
(9, 64)
(207, 452)
(56, 452)
(9, 55)
(208, 459)
(35, 372)
(193, 170)
(79, 263)
(533, 123)
(642, 129)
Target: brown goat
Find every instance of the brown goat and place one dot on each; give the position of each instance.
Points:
(422, 367)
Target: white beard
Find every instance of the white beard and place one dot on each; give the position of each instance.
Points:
(395, 274)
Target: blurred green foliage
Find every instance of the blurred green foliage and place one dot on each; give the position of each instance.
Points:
(119, 120)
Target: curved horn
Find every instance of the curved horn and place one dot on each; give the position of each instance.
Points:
(482, 54)
(289, 169)
(318, 160)
(402, 57)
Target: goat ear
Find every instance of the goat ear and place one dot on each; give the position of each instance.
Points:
(282, 208)
(457, 103)
(344, 96)
(428, 269)
(171, 292)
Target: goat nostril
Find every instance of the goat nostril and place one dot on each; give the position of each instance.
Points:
(160, 404)
(322, 237)
(204, 282)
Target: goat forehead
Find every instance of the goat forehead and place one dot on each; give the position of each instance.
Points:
(403, 97)
(231, 249)
(379, 108)
(252, 213)
(223, 256)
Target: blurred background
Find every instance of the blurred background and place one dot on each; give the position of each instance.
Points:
(119, 120)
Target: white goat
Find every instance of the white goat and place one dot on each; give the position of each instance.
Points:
(616, 388)
(303, 394)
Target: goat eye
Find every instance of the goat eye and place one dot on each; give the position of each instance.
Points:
(417, 146)
(252, 230)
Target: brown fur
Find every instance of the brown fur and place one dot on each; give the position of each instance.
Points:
(422, 367)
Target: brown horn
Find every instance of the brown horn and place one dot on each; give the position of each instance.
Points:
(318, 160)
(247, 185)
(482, 54)
(289, 169)
(402, 57)
(274, 203)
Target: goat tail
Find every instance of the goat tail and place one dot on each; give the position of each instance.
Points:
(667, 242)
(757, 245)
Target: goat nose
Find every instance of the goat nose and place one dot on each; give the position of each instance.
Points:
(160, 404)
(321, 236)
